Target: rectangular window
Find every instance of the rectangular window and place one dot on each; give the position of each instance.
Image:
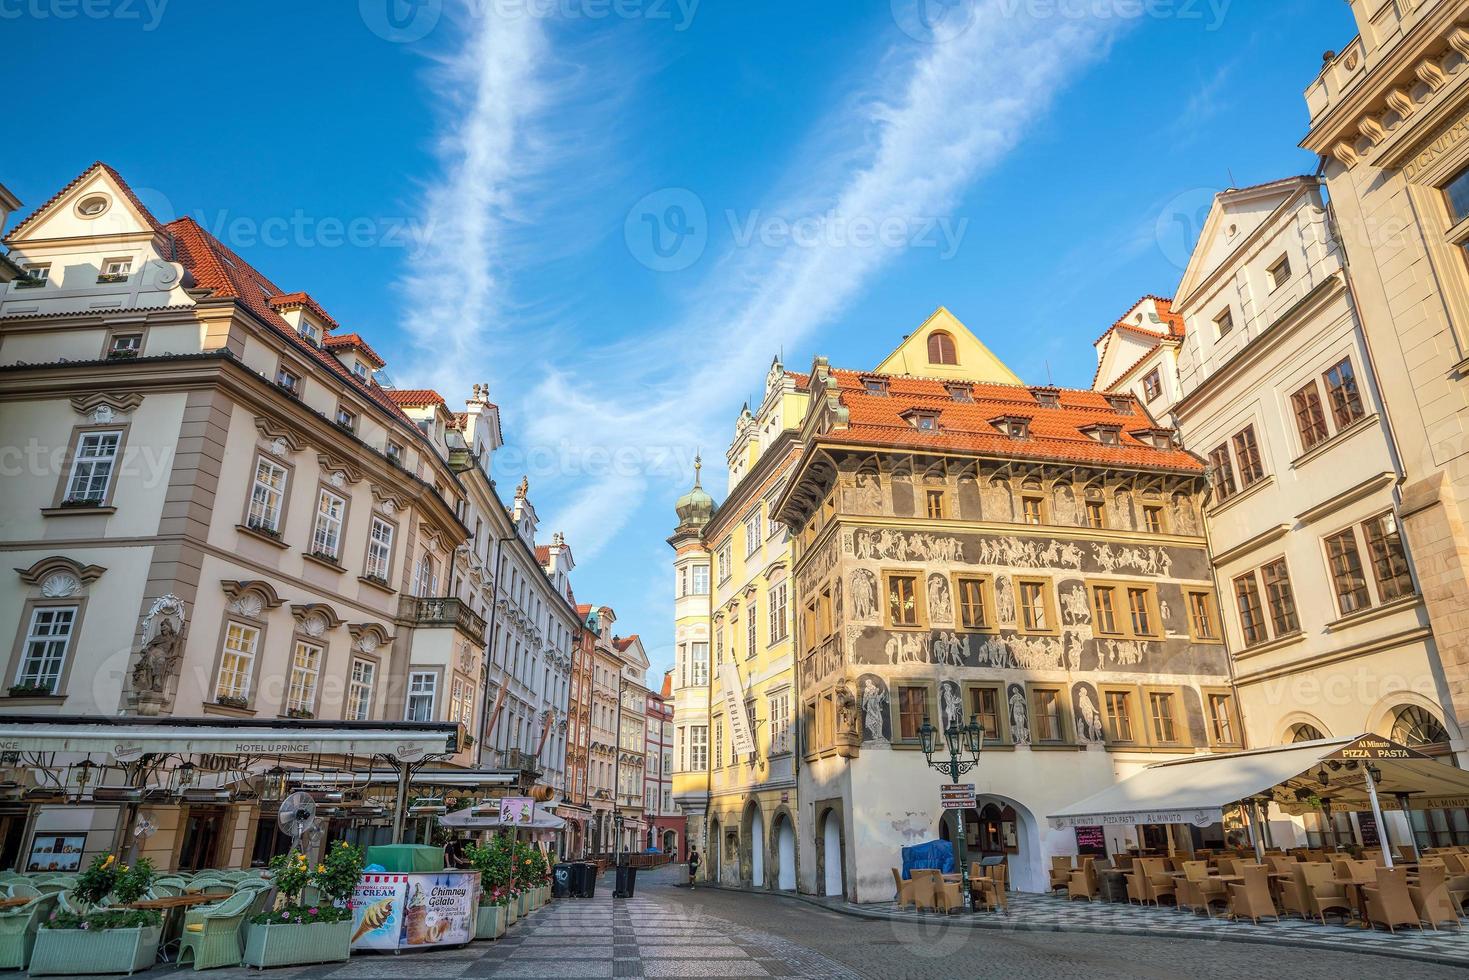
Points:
(902, 600)
(700, 653)
(124, 345)
(1251, 612)
(718, 741)
(1046, 702)
(752, 532)
(91, 467)
(935, 502)
(1140, 611)
(1203, 622)
(1310, 419)
(1104, 610)
(1221, 718)
(305, 670)
(1119, 716)
(359, 369)
(752, 644)
(288, 380)
(423, 692)
(1160, 711)
(1343, 395)
(779, 706)
(326, 540)
(1280, 597)
(1153, 519)
(974, 603)
(346, 420)
(723, 557)
(360, 690)
(38, 273)
(698, 748)
(48, 639)
(117, 267)
(1223, 323)
(1152, 385)
(237, 664)
(779, 612)
(984, 705)
(1348, 579)
(267, 494)
(1096, 514)
(700, 584)
(1456, 196)
(1223, 473)
(912, 709)
(1389, 561)
(379, 549)
(461, 701)
(1032, 510)
(1247, 454)
(1035, 611)
(1279, 273)
(310, 332)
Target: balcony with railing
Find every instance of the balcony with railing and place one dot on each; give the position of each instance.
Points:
(430, 613)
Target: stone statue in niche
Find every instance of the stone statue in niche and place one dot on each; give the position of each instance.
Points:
(863, 586)
(874, 709)
(848, 733)
(1019, 719)
(940, 605)
(156, 662)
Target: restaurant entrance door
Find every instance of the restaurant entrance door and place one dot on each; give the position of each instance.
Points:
(201, 838)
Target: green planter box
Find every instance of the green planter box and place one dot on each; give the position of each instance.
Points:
(512, 912)
(522, 904)
(74, 952)
(490, 924)
(293, 945)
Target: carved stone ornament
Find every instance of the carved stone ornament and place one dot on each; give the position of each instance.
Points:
(60, 585)
(249, 604)
(338, 480)
(313, 624)
(103, 414)
(159, 655)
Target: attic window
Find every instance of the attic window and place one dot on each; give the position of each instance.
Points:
(1047, 398)
(1107, 435)
(923, 421)
(1157, 438)
(1014, 426)
(1121, 404)
(960, 393)
(941, 349)
(310, 332)
(93, 205)
(359, 369)
(875, 386)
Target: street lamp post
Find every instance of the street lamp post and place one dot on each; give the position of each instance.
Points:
(961, 739)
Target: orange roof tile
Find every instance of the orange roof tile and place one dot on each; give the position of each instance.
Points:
(295, 301)
(415, 397)
(1055, 433)
(352, 341)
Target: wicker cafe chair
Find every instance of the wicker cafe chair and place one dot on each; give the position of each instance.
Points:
(1431, 899)
(906, 894)
(214, 940)
(18, 928)
(1060, 871)
(993, 883)
(1198, 891)
(1389, 904)
(1084, 883)
(921, 888)
(1251, 900)
(1325, 893)
(1295, 896)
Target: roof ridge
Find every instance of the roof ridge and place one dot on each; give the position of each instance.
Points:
(126, 188)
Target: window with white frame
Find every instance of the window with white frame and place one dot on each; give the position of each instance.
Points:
(779, 615)
(117, 267)
(699, 667)
(237, 662)
(423, 689)
(461, 701)
(360, 690)
(326, 540)
(38, 273)
(309, 331)
(780, 722)
(305, 672)
(426, 577)
(125, 345)
(47, 642)
(723, 560)
(289, 380)
(700, 580)
(267, 494)
(379, 549)
(752, 645)
(752, 532)
(92, 466)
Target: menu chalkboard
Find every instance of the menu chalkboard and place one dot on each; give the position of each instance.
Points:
(1091, 841)
(1367, 824)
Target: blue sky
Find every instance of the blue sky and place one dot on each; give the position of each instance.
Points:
(476, 187)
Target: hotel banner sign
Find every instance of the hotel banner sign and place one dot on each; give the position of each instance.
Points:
(1200, 817)
(735, 715)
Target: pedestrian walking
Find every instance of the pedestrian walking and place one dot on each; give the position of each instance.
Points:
(693, 865)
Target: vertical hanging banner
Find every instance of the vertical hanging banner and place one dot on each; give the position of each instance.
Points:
(740, 735)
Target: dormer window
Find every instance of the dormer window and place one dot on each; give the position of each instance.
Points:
(1014, 426)
(1107, 435)
(346, 420)
(923, 421)
(875, 386)
(1157, 438)
(310, 332)
(359, 369)
(960, 393)
(288, 380)
(1047, 397)
(1121, 404)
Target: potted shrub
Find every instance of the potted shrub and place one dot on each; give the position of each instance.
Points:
(492, 861)
(295, 933)
(110, 940)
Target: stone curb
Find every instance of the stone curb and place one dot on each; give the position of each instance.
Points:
(1007, 925)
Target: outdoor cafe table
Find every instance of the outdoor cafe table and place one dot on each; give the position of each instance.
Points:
(12, 903)
(170, 906)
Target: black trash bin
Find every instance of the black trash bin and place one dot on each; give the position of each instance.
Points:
(561, 880)
(627, 881)
(584, 879)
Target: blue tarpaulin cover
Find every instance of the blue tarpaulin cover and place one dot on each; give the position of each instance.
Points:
(936, 855)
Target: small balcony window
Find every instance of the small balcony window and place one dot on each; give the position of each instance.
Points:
(35, 277)
(125, 345)
(346, 420)
(115, 270)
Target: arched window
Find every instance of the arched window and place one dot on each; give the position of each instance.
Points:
(941, 349)
(1413, 726)
(1305, 733)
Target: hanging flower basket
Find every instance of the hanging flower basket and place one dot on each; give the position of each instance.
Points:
(296, 945)
(74, 952)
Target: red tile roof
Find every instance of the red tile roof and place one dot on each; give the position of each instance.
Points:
(624, 642)
(415, 397)
(1055, 433)
(132, 197)
(352, 341)
(543, 554)
(1173, 330)
(296, 301)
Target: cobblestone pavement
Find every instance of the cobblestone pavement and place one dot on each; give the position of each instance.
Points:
(668, 931)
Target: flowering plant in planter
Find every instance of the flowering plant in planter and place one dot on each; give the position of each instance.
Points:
(104, 876)
(105, 940)
(335, 878)
(493, 862)
(107, 919)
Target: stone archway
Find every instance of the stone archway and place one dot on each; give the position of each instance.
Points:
(785, 853)
(830, 854)
(670, 843)
(1024, 853)
(754, 827)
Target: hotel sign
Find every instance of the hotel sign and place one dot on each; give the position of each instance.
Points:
(735, 715)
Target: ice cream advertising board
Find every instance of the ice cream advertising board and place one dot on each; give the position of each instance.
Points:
(420, 910)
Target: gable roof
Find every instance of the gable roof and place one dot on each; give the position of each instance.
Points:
(976, 362)
(1055, 432)
(1278, 191)
(415, 397)
(122, 185)
(1172, 329)
(352, 341)
(298, 301)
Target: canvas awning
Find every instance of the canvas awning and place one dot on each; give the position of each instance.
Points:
(478, 818)
(446, 778)
(127, 739)
(1197, 790)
